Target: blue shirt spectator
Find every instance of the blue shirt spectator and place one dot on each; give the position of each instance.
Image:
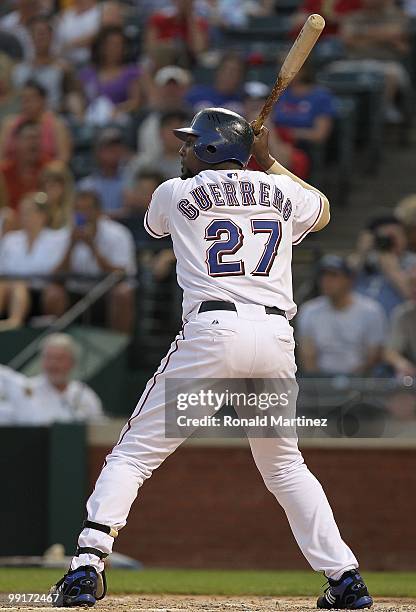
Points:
(107, 179)
(227, 90)
(306, 111)
(109, 188)
(203, 96)
(339, 332)
(300, 110)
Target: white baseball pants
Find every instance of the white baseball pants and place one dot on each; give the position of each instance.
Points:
(243, 344)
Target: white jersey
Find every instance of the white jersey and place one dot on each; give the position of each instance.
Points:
(232, 234)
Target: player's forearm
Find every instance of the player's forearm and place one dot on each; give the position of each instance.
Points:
(275, 168)
(398, 361)
(390, 267)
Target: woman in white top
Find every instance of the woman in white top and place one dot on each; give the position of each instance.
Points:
(76, 29)
(26, 257)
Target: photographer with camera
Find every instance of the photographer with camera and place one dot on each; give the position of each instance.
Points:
(382, 262)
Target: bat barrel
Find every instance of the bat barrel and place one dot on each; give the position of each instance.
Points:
(295, 59)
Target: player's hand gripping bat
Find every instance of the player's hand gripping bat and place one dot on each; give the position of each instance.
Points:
(294, 61)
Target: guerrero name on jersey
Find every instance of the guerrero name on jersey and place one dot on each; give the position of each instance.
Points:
(232, 234)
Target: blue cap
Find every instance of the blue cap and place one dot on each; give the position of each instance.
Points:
(335, 263)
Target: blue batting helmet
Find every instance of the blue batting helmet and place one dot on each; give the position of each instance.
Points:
(221, 135)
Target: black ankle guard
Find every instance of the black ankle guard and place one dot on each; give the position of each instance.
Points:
(104, 528)
(90, 551)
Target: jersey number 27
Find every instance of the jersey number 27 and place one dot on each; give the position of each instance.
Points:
(233, 241)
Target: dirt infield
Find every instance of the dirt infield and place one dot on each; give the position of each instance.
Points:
(177, 603)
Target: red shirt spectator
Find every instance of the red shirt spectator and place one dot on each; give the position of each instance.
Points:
(177, 26)
(21, 174)
(55, 139)
(332, 10)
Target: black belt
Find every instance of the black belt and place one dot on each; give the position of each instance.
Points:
(219, 305)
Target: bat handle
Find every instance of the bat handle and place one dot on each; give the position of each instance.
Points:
(273, 97)
(257, 124)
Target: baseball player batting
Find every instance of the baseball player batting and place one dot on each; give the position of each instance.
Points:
(232, 231)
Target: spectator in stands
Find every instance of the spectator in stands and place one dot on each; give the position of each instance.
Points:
(17, 22)
(113, 14)
(96, 246)
(255, 94)
(53, 74)
(409, 7)
(55, 139)
(177, 32)
(58, 184)
(9, 97)
(166, 93)
(334, 12)
(382, 263)
(52, 397)
(76, 29)
(155, 255)
(21, 175)
(305, 112)
(11, 383)
(376, 38)
(30, 253)
(339, 332)
(227, 89)
(406, 213)
(147, 7)
(107, 179)
(233, 13)
(401, 347)
(136, 200)
(167, 162)
(110, 75)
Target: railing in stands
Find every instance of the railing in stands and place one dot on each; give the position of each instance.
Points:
(98, 291)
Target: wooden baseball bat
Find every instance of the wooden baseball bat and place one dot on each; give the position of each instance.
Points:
(294, 61)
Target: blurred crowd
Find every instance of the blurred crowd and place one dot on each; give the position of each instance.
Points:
(90, 92)
(361, 319)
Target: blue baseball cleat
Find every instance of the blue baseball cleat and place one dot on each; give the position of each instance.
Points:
(79, 587)
(347, 593)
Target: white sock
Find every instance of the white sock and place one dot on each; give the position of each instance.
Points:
(336, 574)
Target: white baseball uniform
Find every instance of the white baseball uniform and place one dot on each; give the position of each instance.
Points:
(232, 233)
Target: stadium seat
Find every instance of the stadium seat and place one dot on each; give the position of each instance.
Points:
(158, 320)
(367, 90)
(328, 50)
(340, 149)
(271, 28)
(287, 7)
(266, 73)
